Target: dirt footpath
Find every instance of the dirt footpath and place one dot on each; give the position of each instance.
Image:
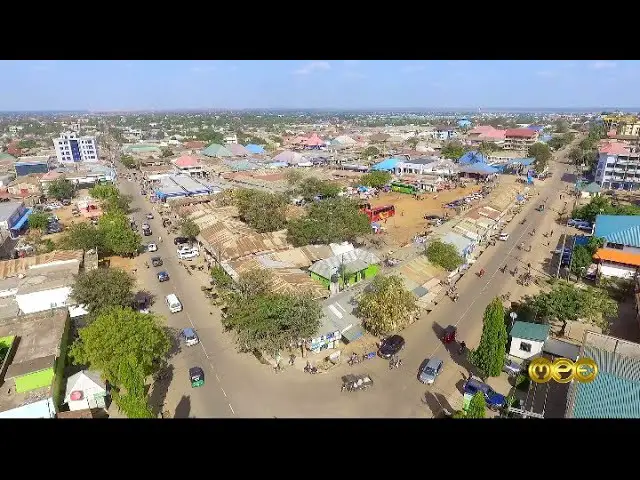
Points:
(409, 218)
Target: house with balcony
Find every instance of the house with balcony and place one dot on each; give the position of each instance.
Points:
(618, 167)
(520, 138)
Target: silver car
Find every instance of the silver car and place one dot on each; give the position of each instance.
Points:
(511, 368)
(429, 370)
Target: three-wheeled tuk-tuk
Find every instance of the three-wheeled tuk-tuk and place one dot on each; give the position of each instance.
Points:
(196, 375)
(449, 334)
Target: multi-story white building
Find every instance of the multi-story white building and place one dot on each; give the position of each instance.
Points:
(70, 148)
(618, 167)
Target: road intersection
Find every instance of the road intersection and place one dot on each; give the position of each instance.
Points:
(237, 385)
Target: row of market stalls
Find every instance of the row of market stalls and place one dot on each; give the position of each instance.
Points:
(232, 150)
(181, 185)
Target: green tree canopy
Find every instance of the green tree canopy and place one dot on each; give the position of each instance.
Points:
(542, 153)
(272, 322)
(329, 221)
(264, 211)
(27, 143)
(38, 221)
(102, 288)
(117, 236)
(444, 255)
(370, 151)
(387, 306)
(293, 176)
(127, 347)
(477, 406)
(490, 354)
(453, 150)
(566, 302)
(582, 255)
(253, 283)
(562, 126)
(128, 161)
(167, 152)
(61, 188)
(82, 236)
(104, 191)
(377, 179)
(312, 187)
(603, 206)
(189, 228)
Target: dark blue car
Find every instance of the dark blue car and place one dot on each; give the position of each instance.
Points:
(163, 276)
(494, 400)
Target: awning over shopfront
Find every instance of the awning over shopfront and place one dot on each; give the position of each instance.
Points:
(20, 223)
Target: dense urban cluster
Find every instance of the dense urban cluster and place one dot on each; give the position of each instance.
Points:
(167, 264)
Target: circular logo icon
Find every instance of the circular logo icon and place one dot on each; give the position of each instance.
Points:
(540, 370)
(563, 370)
(585, 370)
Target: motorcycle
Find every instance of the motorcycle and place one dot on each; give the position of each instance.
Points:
(355, 359)
(310, 369)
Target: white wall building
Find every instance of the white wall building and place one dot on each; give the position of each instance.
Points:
(527, 339)
(618, 167)
(85, 390)
(70, 148)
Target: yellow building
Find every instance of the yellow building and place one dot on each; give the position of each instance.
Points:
(614, 121)
(629, 129)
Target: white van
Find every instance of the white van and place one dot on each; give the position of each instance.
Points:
(173, 303)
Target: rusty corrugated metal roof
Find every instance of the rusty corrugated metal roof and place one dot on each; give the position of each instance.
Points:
(11, 268)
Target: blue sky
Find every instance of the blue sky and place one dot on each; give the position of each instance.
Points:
(176, 84)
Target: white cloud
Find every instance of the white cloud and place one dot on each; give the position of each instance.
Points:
(603, 64)
(312, 67)
(413, 68)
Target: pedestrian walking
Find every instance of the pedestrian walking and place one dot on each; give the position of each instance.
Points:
(552, 233)
(292, 359)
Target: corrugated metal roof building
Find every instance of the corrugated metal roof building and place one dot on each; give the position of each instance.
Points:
(620, 229)
(615, 392)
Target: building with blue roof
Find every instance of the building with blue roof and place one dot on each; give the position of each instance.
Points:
(619, 231)
(480, 169)
(255, 149)
(387, 165)
(464, 123)
(537, 128)
(472, 157)
(615, 391)
(463, 245)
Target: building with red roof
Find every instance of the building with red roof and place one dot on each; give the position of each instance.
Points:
(486, 133)
(520, 138)
(188, 164)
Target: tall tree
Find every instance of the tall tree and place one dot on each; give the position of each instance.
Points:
(272, 322)
(542, 154)
(118, 238)
(377, 179)
(127, 347)
(329, 221)
(453, 150)
(312, 187)
(82, 236)
(370, 151)
(387, 306)
(490, 354)
(60, 189)
(102, 288)
(477, 406)
(38, 221)
(264, 211)
(444, 255)
(189, 228)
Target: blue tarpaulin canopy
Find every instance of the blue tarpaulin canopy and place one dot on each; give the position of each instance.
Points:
(520, 198)
(472, 157)
(522, 161)
(479, 168)
(253, 148)
(387, 164)
(20, 223)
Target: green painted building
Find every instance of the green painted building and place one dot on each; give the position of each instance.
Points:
(345, 269)
(34, 362)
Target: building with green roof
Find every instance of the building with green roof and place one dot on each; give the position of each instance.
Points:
(218, 151)
(527, 339)
(615, 392)
(7, 156)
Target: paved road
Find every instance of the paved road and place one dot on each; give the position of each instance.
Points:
(237, 385)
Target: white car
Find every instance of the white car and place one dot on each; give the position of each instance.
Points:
(152, 247)
(504, 237)
(150, 216)
(187, 253)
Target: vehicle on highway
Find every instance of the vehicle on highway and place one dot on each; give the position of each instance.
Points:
(494, 400)
(511, 368)
(180, 240)
(152, 247)
(540, 208)
(187, 253)
(150, 216)
(429, 370)
(163, 276)
(146, 230)
(173, 303)
(156, 261)
(190, 337)
(504, 237)
(391, 346)
(196, 376)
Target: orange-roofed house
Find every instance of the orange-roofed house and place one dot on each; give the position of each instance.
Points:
(520, 138)
(618, 166)
(617, 263)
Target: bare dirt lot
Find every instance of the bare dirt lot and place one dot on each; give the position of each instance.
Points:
(409, 218)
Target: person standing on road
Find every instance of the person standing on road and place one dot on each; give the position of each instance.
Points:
(292, 359)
